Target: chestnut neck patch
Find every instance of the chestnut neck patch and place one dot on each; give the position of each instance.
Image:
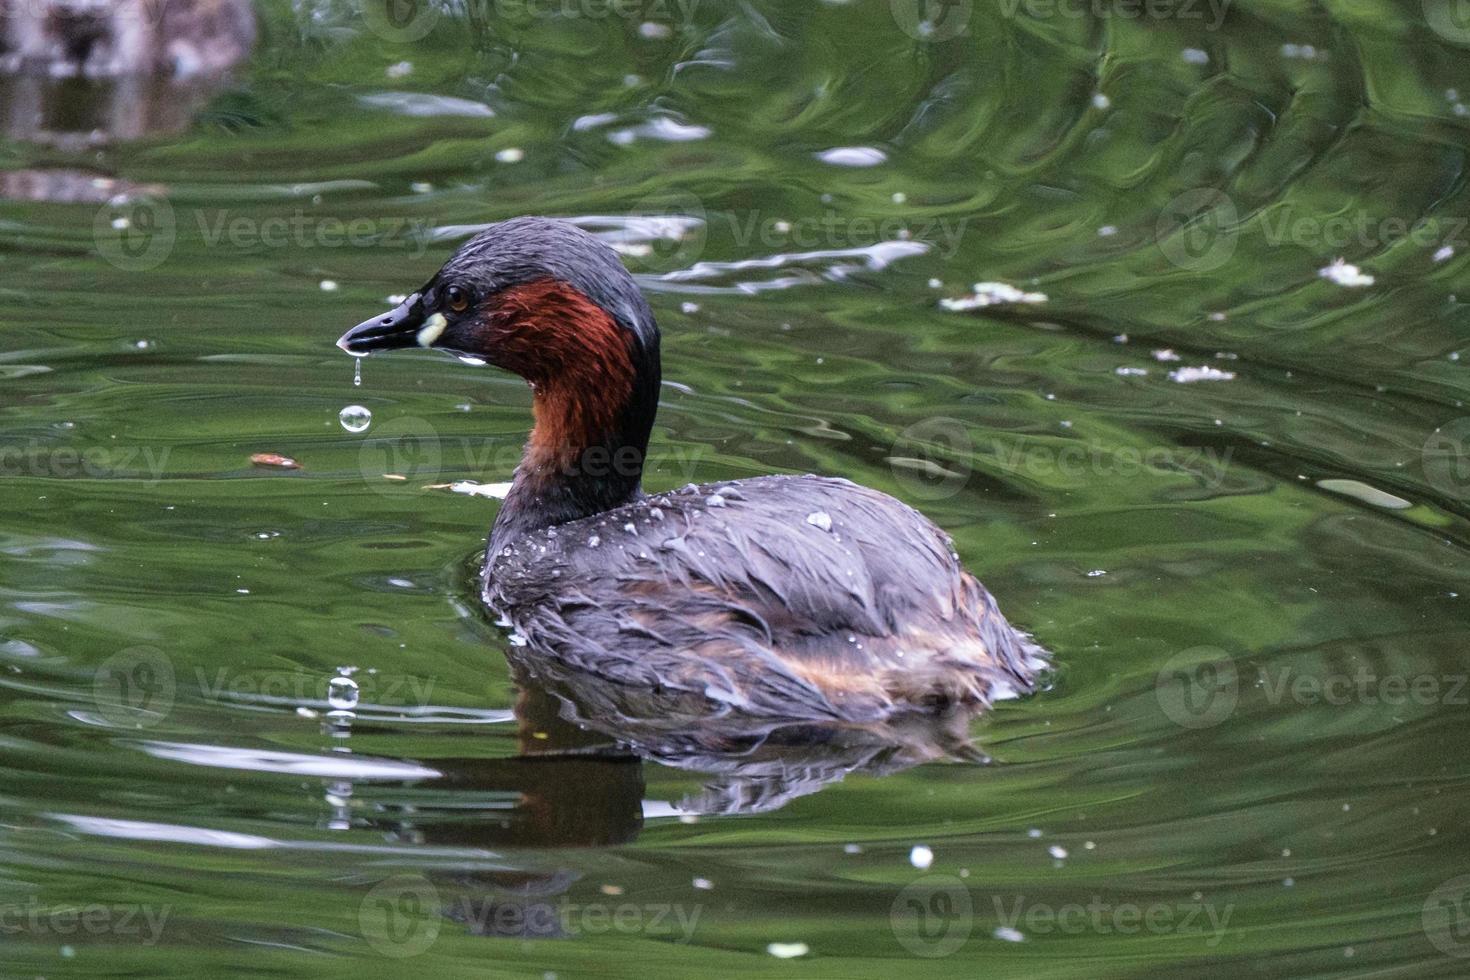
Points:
(596, 389)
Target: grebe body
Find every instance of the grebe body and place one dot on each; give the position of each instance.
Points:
(806, 598)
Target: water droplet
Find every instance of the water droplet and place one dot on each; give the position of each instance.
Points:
(342, 693)
(355, 418)
(921, 857)
(357, 373)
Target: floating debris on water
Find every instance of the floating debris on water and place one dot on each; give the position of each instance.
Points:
(1194, 56)
(328, 285)
(853, 156)
(1345, 274)
(1444, 252)
(470, 488)
(1057, 851)
(1189, 375)
(1367, 494)
(991, 294)
(1306, 52)
(355, 418)
(1009, 935)
(1165, 354)
(788, 951)
(276, 460)
(511, 154)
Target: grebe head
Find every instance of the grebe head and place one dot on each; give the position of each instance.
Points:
(548, 301)
(526, 294)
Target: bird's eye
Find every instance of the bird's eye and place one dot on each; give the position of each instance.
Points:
(457, 298)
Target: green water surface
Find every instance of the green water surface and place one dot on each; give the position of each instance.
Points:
(1248, 757)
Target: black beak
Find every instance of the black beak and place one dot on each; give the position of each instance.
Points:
(398, 328)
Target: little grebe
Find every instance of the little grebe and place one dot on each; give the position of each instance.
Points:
(794, 597)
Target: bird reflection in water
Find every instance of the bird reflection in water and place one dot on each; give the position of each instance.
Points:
(76, 75)
(578, 782)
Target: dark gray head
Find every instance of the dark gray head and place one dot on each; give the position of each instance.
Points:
(496, 273)
(548, 301)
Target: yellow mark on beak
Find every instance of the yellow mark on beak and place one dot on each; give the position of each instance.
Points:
(431, 330)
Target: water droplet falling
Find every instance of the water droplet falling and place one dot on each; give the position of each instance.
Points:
(342, 693)
(355, 418)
